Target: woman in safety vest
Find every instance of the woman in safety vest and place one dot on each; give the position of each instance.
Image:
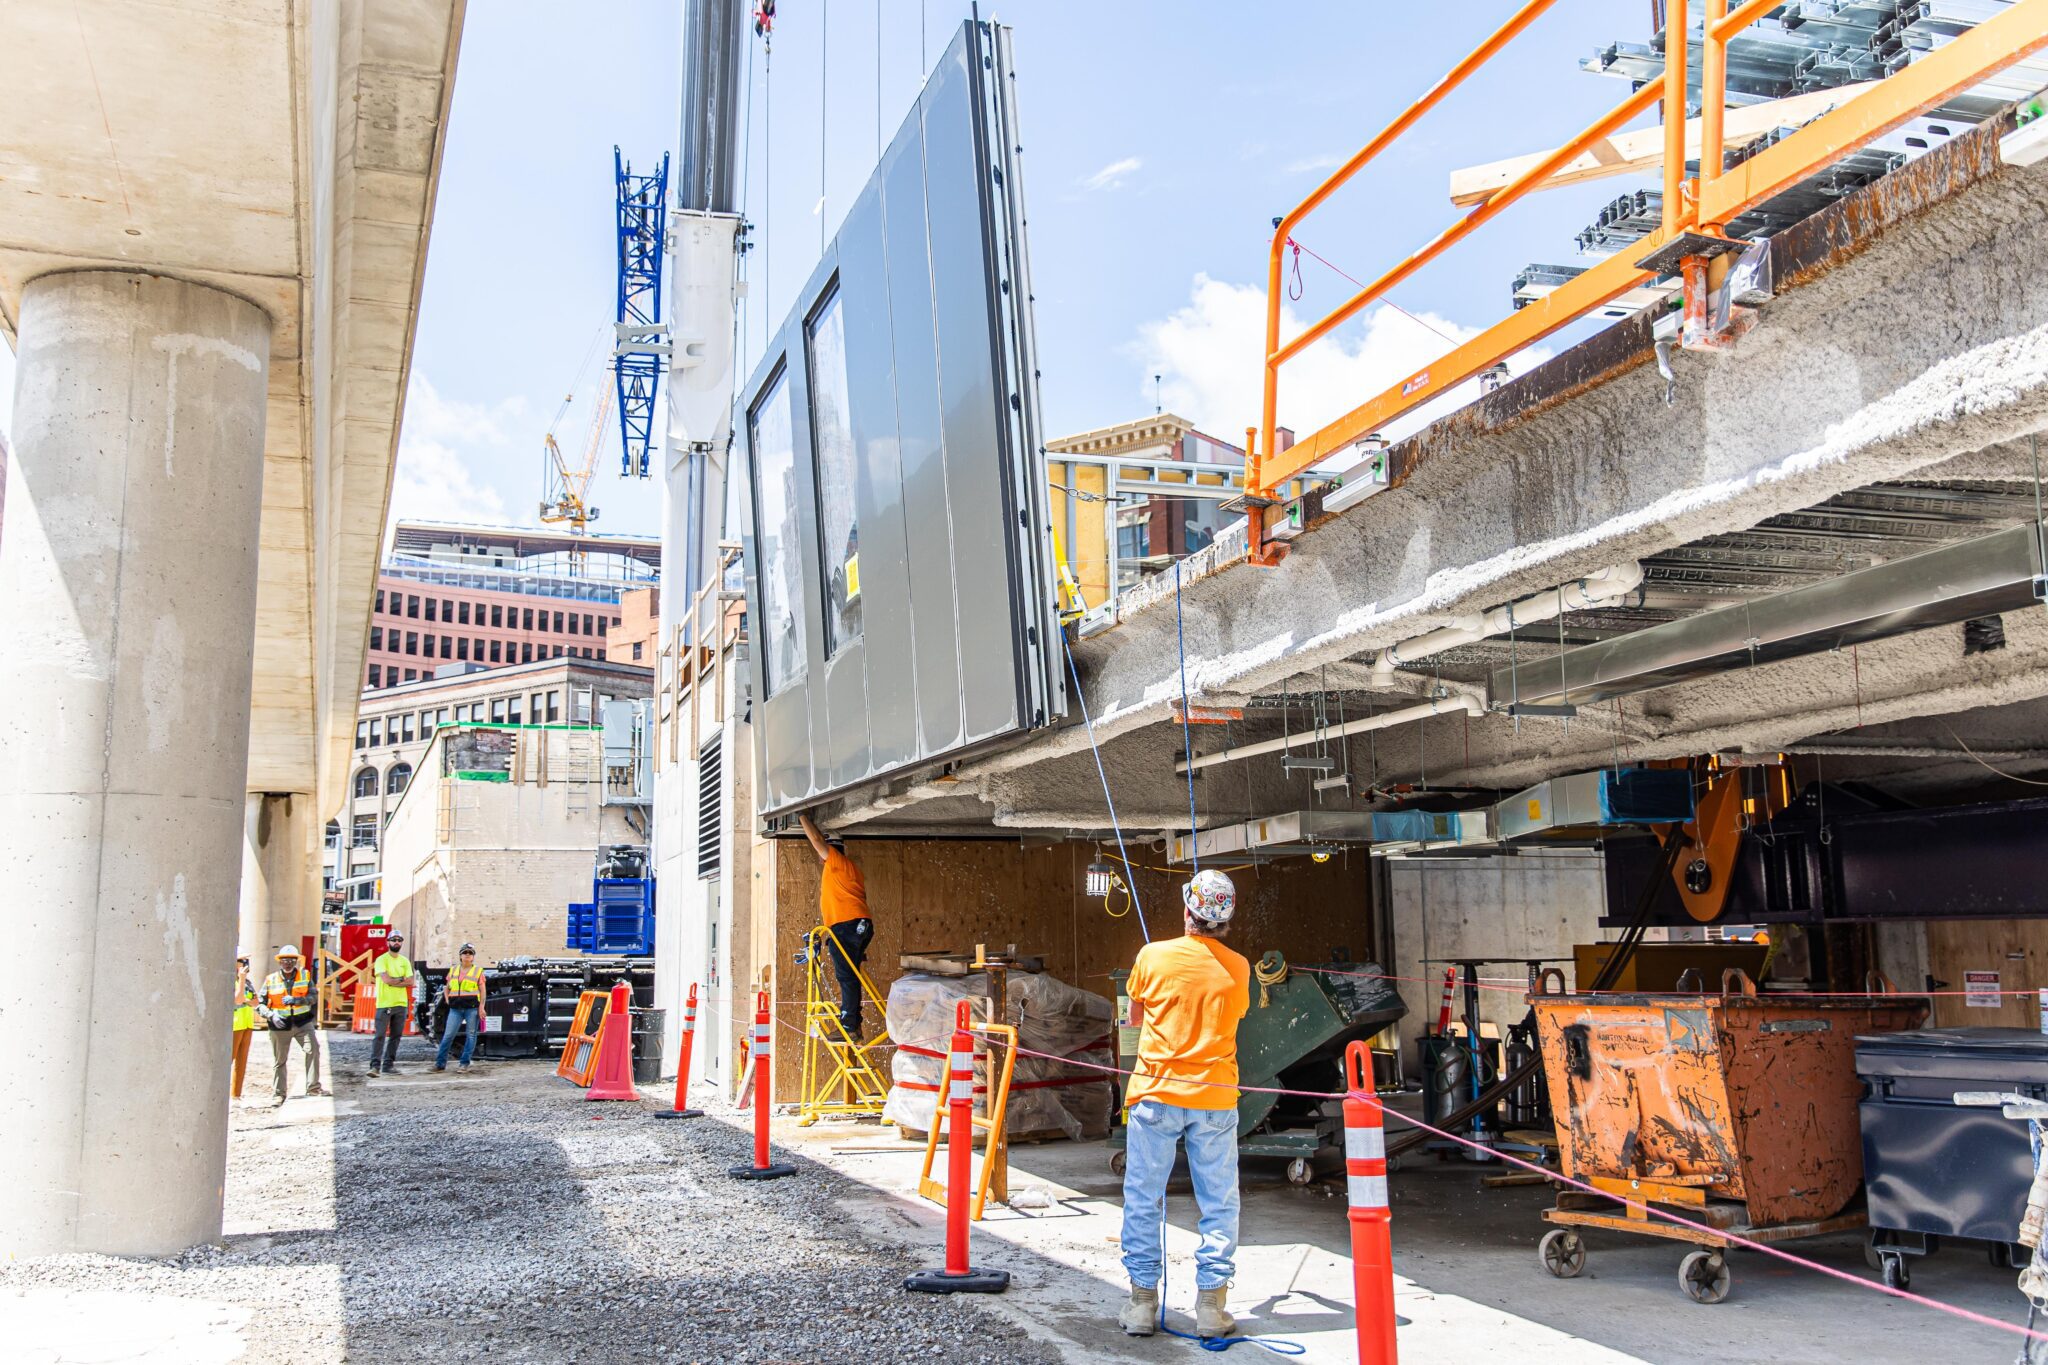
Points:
(245, 1022)
(464, 992)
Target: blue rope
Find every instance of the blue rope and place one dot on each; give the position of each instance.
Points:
(1096, 749)
(1187, 742)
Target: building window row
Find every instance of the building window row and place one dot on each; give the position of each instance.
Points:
(498, 616)
(529, 708)
(459, 648)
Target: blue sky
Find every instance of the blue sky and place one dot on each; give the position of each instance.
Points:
(1160, 141)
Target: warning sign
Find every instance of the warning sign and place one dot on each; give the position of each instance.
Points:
(1980, 990)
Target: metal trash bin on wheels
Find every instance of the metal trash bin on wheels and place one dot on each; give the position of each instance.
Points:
(1937, 1170)
(1735, 1110)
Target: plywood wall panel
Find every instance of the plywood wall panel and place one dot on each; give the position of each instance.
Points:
(948, 895)
(2016, 949)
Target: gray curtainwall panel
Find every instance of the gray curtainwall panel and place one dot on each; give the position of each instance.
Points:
(908, 619)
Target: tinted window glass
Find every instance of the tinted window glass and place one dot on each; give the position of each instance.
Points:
(782, 592)
(838, 468)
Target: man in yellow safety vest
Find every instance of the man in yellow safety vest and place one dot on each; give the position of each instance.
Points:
(464, 991)
(289, 1007)
(393, 973)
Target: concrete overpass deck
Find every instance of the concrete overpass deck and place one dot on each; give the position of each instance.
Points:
(213, 228)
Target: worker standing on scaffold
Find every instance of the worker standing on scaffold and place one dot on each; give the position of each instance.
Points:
(843, 906)
(1188, 995)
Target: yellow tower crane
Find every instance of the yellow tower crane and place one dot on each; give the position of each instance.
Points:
(564, 490)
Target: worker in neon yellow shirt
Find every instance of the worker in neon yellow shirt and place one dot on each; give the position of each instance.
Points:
(1188, 994)
(393, 974)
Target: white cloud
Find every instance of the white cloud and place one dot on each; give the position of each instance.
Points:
(1327, 161)
(447, 449)
(1114, 174)
(1209, 354)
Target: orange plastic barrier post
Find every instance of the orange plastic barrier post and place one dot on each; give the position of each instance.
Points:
(959, 1277)
(1365, 1181)
(1443, 1013)
(682, 1109)
(613, 1079)
(762, 1169)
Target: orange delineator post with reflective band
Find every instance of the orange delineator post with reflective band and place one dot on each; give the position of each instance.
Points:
(682, 1108)
(1365, 1181)
(762, 1169)
(612, 1078)
(959, 1277)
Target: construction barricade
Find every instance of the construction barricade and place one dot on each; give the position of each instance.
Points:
(579, 1051)
(959, 1275)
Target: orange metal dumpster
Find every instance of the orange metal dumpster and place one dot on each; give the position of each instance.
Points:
(1737, 1110)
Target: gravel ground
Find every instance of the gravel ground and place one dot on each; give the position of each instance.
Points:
(498, 1217)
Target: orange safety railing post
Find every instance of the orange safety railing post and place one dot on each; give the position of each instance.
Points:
(1365, 1181)
(1713, 97)
(1676, 43)
(682, 1109)
(762, 1169)
(959, 1277)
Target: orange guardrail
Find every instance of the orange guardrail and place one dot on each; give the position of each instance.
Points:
(1690, 233)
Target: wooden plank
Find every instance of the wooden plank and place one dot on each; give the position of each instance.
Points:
(2016, 949)
(1642, 150)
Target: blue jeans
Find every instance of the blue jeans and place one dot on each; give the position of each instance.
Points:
(462, 1021)
(1211, 1139)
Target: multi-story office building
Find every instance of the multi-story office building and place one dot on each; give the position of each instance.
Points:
(495, 596)
(396, 725)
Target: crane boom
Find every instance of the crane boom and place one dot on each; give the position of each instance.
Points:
(565, 491)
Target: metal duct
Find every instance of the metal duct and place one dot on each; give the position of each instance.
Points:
(1942, 587)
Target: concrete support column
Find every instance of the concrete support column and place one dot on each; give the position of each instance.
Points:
(129, 576)
(278, 897)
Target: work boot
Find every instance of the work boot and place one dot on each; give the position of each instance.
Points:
(1210, 1319)
(316, 1089)
(1140, 1316)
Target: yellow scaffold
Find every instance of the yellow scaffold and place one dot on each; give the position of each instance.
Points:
(839, 1074)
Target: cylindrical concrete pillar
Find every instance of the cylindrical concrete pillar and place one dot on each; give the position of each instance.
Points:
(129, 576)
(278, 896)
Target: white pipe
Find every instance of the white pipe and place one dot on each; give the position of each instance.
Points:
(1603, 585)
(1468, 702)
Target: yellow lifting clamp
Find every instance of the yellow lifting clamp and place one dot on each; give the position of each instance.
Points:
(839, 1073)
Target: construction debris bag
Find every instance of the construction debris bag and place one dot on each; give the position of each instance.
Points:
(1046, 1095)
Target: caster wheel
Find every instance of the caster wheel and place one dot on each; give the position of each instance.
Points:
(1704, 1276)
(1300, 1171)
(1563, 1253)
(1871, 1257)
(1894, 1272)
(1393, 1164)
(1116, 1163)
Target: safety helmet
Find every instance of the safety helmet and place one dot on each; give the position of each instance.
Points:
(287, 950)
(465, 948)
(1210, 896)
(394, 938)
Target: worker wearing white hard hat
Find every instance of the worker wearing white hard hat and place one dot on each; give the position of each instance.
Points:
(289, 1008)
(1187, 994)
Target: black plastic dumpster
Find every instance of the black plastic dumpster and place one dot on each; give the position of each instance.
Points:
(1934, 1169)
(647, 1030)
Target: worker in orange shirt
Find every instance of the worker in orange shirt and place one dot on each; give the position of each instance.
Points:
(843, 906)
(1188, 995)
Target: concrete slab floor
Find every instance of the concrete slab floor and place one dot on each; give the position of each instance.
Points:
(1468, 1283)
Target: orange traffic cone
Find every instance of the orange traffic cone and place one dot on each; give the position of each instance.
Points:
(613, 1077)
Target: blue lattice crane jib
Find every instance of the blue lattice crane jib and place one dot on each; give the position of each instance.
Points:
(638, 358)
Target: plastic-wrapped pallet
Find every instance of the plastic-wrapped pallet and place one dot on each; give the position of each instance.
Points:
(1050, 1016)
